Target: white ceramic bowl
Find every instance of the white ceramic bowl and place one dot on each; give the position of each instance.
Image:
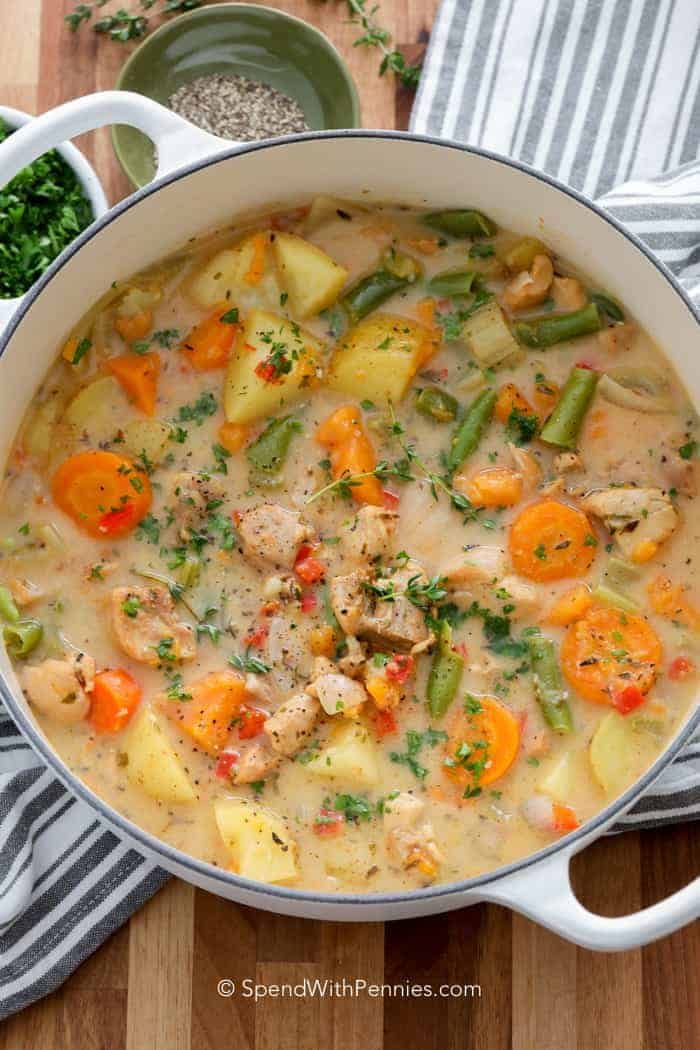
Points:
(203, 181)
(83, 170)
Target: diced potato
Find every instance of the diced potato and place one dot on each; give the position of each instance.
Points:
(310, 277)
(324, 208)
(258, 840)
(153, 764)
(352, 856)
(137, 300)
(379, 357)
(249, 396)
(223, 277)
(488, 336)
(98, 412)
(351, 755)
(619, 752)
(37, 435)
(150, 436)
(560, 778)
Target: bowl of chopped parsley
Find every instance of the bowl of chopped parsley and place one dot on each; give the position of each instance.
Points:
(42, 210)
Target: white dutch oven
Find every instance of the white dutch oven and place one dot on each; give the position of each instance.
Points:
(203, 181)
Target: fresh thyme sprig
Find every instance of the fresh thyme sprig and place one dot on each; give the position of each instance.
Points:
(374, 35)
(436, 481)
(123, 24)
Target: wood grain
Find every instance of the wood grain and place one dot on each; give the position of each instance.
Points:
(153, 985)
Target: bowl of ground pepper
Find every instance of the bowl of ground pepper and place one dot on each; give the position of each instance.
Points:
(240, 71)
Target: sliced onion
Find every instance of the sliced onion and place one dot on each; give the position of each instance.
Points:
(639, 389)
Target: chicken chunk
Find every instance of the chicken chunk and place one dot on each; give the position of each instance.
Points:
(195, 496)
(337, 693)
(393, 622)
(25, 592)
(368, 535)
(272, 535)
(526, 464)
(60, 688)
(640, 519)
(292, 723)
(411, 842)
(146, 627)
(478, 565)
(255, 763)
(526, 597)
(354, 659)
(566, 462)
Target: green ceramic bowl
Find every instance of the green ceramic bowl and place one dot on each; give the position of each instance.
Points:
(257, 42)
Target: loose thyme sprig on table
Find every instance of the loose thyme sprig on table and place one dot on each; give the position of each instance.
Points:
(126, 24)
(373, 35)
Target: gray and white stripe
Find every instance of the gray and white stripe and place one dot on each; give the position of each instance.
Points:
(597, 92)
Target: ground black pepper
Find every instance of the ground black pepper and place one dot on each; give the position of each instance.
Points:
(235, 107)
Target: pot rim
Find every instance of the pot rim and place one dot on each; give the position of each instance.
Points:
(578, 838)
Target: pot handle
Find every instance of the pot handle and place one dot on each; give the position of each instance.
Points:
(176, 140)
(543, 892)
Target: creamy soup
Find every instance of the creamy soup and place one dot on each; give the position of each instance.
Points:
(354, 548)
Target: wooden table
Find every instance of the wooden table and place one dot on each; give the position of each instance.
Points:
(153, 985)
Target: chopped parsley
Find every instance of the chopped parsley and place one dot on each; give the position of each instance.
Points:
(353, 807)
(688, 450)
(41, 211)
(231, 316)
(199, 410)
(522, 427)
(415, 742)
(131, 606)
(80, 351)
(148, 529)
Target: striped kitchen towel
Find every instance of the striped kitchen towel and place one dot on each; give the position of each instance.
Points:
(598, 92)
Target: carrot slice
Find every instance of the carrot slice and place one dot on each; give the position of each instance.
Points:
(670, 601)
(545, 397)
(570, 607)
(425, 311)
(510, 399)
(257, 264)
(138, 374)
(207, 718)
(551, 540)
(608, 650)
(483, 743)
(105, 494)
(351, 452)
(233, 436)
(208, 344)
(115, 696)
(494, 487)
(135, 327)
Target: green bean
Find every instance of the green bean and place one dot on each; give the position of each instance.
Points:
(609, 596)
(549, 686)
(452, 283)
(437, 404)
(461, 222)
(563, 426)
(470, 431)
(269, 450)
(445, 673)
(371, 292)
(540, 332)
(22, 637)
(8, 609)
(608, 306)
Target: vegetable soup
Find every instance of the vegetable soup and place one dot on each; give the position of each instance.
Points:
(353, 548)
